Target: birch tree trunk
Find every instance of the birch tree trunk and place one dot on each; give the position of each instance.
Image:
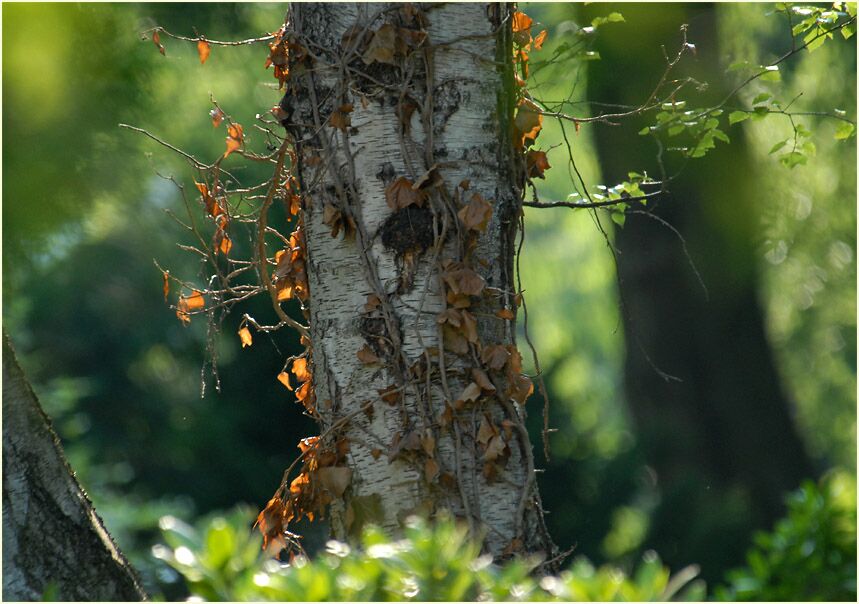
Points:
(53, 542)
(411, 201)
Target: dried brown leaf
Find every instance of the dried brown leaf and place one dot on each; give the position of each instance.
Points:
(475, 216)
(335, 479)
(367, 356)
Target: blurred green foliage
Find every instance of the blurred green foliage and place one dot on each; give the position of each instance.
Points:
(807, 231)
(221, 560)
(810, 554)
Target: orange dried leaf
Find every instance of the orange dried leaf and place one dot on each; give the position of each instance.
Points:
(203, 49)
(541, 37)
(470, 393)
(391, 395)
(299, 369)
(307, 443)
(494, 449)
(335, 479)
(469, 327)
(495, 356)
(505, 313)
(340, 118)
(528, 122)
(521, 21)
(235, 137)
(537, 163)
(245, 337)
(373, 302)
(450, 315)
(367, 356)
(454, 341)
(232, 145)
(156, 39)
(283, 378)
(476, 214)
(431, 469)
(225, 244)
(217, 116)
(182, 312)
(482, 380)
(428, 443)
(166, 286)
(430, 178)
(486, 430)
(271, 521)
(193, 302)
(400, 194)
(522, 388)
(464, 281)
(515, 361)
(302, 391)
(383, 46)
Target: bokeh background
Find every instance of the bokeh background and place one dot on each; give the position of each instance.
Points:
(766, 356)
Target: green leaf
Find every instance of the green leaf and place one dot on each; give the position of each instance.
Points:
(619, 218)
(814, 40)
(719, 135)
(844, 131)
(779, 145)
(771, 74)
(809, 148)
(737, 65)
(645, 130)
(802, 131)
(674, 106)
(762, 97)
(793, 159)
(676, 129)
(737, 116)
(615, 18)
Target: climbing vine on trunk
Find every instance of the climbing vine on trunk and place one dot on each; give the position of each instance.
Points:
(405, 147)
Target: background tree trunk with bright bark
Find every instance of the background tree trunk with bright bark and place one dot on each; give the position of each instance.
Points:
(411, 199)
(54, 544)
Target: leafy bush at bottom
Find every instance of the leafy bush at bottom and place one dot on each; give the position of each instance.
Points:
(222, 561)
(810, 554)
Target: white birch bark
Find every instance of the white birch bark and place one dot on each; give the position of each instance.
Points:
(460, 126)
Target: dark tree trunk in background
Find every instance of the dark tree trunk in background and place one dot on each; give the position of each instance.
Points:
(54, 544)
(722, 442)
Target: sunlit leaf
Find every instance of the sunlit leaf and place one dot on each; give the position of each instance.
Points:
(156, 39)
(283, 378)
(203, 50)
(235, 138)
(737, 116)
(245, 337)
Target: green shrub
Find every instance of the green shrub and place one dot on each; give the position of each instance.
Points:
(221, 560)
(810, 554)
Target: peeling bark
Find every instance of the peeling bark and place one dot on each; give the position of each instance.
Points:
(53, 541)
(441, 105)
